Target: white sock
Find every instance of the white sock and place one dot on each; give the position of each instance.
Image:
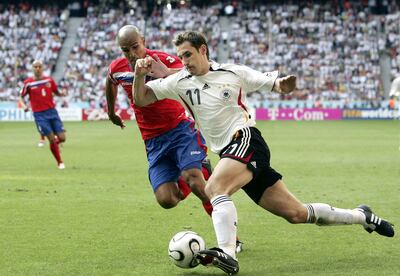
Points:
(224, 217)
(324, 214)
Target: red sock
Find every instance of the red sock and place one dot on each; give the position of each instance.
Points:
(208, 207)
(56, 152)
(205, 173)
(184, 187)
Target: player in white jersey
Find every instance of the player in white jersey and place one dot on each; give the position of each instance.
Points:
(215, 95)
(217, 100)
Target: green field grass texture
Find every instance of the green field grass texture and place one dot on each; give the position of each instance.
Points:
(99, 215)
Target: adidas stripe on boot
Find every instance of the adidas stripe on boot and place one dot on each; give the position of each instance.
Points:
(218, 258)
(375, 223)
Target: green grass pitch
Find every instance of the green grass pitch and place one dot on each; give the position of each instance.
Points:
(99, 215)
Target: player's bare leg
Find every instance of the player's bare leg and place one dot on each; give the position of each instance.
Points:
(228, 177)
(168, 195)
(61, 137)
(278, 200)
(207, 169)
(197, 180)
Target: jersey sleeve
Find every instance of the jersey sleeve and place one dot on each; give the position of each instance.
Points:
(24, 89)
(110, 75)
(165, 88)
(253, 80)
(169, 60)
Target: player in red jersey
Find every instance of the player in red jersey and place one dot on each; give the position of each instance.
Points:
(154, 123)
(173, 146)
(40, 89)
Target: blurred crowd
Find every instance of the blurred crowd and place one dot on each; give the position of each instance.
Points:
(334, 50)
(165, 23)
(392, 32)
(95, 48)
(27, 34)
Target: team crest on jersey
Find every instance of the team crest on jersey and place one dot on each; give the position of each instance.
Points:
(48, 84)
(226, 94)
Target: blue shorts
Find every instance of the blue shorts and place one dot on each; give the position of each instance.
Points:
(48, 121)
(179, 149)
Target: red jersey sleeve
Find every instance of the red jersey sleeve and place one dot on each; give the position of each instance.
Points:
(24, 89)
(169, 60)
(110, 73)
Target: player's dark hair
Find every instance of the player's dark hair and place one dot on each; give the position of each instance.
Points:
(196, 39)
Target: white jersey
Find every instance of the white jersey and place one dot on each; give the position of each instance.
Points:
(216, 100)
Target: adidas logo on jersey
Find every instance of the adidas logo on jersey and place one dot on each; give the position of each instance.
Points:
(206, 86)
(254, 164)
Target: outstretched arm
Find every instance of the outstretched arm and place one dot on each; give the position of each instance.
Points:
(22, 101)
(60, 94)
(285, 85)
(143, 94)
(23, 104)
(55, 90)
(111, 95)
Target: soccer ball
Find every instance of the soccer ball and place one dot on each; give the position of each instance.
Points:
(182, 248)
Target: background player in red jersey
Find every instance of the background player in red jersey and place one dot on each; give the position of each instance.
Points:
(40, 89)
(175, 149)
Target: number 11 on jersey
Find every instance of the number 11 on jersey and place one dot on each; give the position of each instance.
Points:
(196, 92)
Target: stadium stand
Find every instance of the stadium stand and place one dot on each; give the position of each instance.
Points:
(26, 34)
(312, 41)
(96, 45)
(392, 31)
(309, 40)
(94, 49)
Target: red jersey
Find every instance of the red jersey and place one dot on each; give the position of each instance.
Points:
(40, 93)
(158, 117)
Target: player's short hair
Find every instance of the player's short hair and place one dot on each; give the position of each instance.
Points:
(37, 61)
(196, 39)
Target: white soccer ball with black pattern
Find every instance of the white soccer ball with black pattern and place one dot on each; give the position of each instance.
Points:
(182, 248)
